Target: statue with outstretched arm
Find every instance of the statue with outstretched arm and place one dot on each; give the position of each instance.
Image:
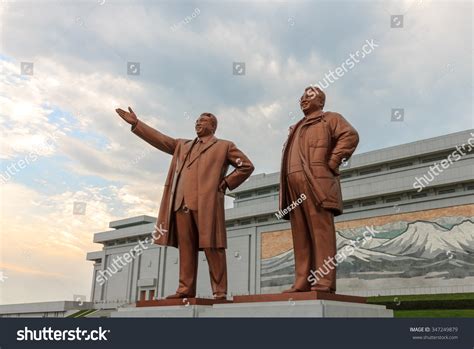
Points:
(191, 214)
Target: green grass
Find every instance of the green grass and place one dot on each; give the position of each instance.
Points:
(434, 313)
(422, 297)
(444, 305)
(82, 313)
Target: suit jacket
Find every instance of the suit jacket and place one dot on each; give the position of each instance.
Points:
(214, 158)
(326, 138)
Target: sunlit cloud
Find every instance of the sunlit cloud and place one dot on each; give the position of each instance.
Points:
(63, 114)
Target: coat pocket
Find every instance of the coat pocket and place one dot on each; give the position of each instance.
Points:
(326, 181)
(319, 169)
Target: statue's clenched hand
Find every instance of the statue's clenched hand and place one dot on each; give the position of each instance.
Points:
(129, 116)
(223, 186)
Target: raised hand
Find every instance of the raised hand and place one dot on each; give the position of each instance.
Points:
(129, 116)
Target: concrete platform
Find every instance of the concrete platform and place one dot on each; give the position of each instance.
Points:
(295, 308)
(172, 311)
(304, 304)
(180, 302)
(298, 296)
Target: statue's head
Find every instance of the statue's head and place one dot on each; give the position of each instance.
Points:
(206, 125)
(312, 100)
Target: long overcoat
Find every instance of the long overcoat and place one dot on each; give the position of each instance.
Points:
(325, 140)
(214, 158)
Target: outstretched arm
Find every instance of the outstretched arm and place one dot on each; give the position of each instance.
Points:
(148, 133)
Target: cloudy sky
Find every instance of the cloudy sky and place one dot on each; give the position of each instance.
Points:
(65, 68)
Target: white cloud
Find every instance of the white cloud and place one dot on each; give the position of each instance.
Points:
(41, 235)
(80, 54)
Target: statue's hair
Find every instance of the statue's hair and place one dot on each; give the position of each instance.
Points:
(318, 93)
(213, 120)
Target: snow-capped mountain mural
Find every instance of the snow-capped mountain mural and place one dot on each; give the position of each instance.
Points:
(429, 240)
(444, 246)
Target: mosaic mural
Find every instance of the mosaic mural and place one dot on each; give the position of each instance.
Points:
(428, 244)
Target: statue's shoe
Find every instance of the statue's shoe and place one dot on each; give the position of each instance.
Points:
(293, 290)
(322, 288)
(220, 296)
(179, 295)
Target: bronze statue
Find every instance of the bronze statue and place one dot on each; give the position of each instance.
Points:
(191, 214)
(316, 146)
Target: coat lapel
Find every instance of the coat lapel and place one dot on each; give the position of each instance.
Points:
(204, 147)
(290, 134)
(314, 118)
(187, 148)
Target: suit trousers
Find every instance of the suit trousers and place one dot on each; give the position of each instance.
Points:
(314, 236)
(188, 246)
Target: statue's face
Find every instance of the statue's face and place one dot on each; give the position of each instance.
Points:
(309, 101)
(204, 126)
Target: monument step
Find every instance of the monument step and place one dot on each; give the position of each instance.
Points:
(298, 296)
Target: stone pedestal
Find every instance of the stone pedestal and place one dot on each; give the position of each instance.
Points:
(301, 304)
(298, 296)
(172, 311)
(180, 302)
(290, 309)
